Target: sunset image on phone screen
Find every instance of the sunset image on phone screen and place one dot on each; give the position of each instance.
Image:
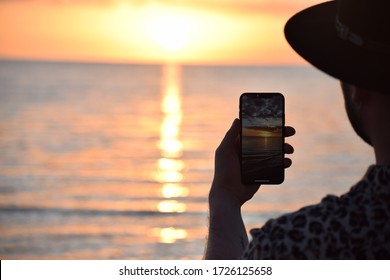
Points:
(262, 118)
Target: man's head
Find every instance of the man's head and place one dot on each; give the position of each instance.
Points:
(369, 114)
(350, 40)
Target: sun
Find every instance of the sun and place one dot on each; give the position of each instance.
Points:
(154, 31)
(170, 30)
(172, 34)
(264, 133)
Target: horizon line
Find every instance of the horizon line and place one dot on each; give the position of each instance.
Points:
(151, 63)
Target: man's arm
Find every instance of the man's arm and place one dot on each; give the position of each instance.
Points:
(227, 234)
(227, 237)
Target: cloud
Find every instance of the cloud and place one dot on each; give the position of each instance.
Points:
(63, 2)
(262, 111)
(234, 6)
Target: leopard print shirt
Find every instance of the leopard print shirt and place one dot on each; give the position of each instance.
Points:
(355, 225)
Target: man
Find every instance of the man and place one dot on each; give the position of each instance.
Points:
(349, 40)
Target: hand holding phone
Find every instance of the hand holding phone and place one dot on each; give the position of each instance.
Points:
(227, 184)
(262, 138)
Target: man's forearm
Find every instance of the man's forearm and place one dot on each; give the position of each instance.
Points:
(227, 237)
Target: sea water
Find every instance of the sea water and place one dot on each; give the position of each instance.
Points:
(115, 161)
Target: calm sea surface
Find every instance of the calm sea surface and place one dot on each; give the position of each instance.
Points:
(102, 161)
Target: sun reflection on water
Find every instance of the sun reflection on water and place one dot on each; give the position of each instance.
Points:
(174, 190)
(170, 234)
(170, 166)
(171, 206)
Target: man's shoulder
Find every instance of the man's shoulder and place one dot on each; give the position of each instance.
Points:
(332, 228)
(368, 195)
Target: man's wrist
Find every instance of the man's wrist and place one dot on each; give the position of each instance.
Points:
(222, 200)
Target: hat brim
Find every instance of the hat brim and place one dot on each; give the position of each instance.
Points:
(312, 34)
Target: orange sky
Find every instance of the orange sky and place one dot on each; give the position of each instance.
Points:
(147, 31)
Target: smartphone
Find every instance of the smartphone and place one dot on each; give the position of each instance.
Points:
(262, 138)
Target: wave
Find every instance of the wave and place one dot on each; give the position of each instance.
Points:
(93, 212)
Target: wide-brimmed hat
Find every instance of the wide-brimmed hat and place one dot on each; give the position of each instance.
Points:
(347, 39)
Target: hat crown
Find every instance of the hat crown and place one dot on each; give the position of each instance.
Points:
(347, 39)
(369, 19)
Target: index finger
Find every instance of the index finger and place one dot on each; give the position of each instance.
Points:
(231, 135)
(289, 131)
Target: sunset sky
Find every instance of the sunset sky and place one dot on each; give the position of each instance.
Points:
(147, 31)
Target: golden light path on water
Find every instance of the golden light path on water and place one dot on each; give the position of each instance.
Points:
(170, 165)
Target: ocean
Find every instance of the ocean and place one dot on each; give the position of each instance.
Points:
(115, 161)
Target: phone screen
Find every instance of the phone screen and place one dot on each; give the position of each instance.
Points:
(262, 138)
